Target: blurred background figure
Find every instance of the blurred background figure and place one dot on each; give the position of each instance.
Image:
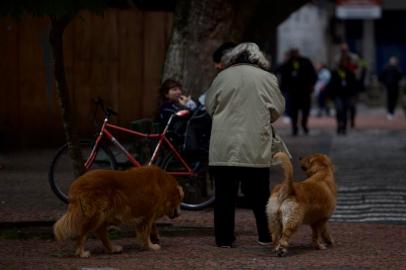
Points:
(278, 71)
(320, 93)
(351, 59)
(298, 76)
(390, 77)
(341, 89)
(352, 64)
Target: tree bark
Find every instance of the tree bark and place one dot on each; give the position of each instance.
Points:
(200, 26)
(58, 26)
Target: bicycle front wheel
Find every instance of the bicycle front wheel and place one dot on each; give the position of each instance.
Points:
(61, 176)
(198, 189)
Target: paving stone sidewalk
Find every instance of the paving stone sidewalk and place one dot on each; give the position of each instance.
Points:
(370, 174)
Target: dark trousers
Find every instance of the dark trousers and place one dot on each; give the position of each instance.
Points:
(352, 109)
(255, 186)
(391, 99)
(342, 106)
(300, 104)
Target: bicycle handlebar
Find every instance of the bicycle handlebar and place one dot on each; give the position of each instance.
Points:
(108, 111)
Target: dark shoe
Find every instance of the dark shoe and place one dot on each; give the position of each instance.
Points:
(264, 240)
(294, 131)
(225, 246)
(305, 130)
(352, 124)
(268, 243)
(226, 243)
(341, 131)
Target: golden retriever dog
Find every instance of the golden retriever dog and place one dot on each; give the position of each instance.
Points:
(101, 198)
(311, 202)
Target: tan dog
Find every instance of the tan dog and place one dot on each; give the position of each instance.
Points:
(309, 202)
(101, 198)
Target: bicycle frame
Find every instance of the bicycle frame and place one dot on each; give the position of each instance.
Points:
(163, 139)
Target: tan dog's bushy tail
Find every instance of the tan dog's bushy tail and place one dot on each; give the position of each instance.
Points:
(68, 226)
(287, 183)
(279, 194)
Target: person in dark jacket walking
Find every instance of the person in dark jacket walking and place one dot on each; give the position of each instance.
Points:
(299, 77)
(341, 89)
(390, 78)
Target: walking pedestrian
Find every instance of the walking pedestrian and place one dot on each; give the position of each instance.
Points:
(341, 89)
(243, 100)
(279, 70)
(320, 93)
(390, 78)
(354, 65)
(299, 77)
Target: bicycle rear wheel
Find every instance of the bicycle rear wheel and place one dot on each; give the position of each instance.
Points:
(61, 176)
(198, 189)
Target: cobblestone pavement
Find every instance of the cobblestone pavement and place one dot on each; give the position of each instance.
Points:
(359, 246)
(369, 224)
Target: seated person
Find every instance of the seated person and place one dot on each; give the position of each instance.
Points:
(192, 132)
(173, 100)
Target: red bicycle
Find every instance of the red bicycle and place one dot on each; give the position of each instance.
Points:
(105, 151)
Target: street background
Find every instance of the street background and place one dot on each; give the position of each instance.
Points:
(369, 224)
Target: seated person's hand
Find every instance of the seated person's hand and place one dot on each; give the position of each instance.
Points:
(184, 99)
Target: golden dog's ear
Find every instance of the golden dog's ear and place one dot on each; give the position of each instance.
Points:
(324, 159)
(181, 193)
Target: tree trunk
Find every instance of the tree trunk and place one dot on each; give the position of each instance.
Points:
(58, 26)
(200, 26)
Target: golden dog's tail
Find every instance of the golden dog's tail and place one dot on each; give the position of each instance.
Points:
(287, 183)
(68, 226)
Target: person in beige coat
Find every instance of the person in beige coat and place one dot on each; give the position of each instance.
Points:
(243, 101)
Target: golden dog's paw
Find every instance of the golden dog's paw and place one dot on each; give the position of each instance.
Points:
(330, 242)
(83, 254)
(154, 247)
(116, 249)
(154, 239)
(281, 251)
(320, 246)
